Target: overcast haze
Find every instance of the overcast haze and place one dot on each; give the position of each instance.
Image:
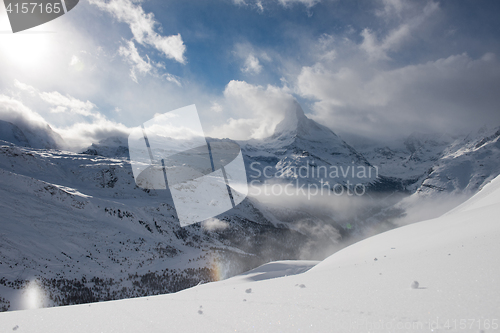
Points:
(374, 69)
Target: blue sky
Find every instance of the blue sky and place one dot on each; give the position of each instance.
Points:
(376, 69)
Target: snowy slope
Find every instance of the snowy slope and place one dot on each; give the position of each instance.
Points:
(69, 216)
(30, 135)
(410, 158)
(438, 171)
(465, 165)
(11, 133)
(302, 152)
(441, 162)
(80, 225)
(80, 217)
(363, 288)
(109, 147)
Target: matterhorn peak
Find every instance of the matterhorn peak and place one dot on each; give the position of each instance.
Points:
(297, 125)
(294, 120)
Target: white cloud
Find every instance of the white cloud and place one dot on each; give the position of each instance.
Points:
(216, 107)
(70, 104)
(82, 134)
(76, 63)
(391, 7)
(259, 5)
(142, 27)
(172, 78)
(255, 110)
(29, 89)
(446, 95)
(396, 37)
(251, 57)
(34, 127)
(61, 103)
(141, 66)
(15, 111)
(85, 124)
(130, 53)
(74, 60)
(252, 65)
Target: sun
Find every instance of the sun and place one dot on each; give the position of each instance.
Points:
(27, 50)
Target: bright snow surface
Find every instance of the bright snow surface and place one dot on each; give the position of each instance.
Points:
(365, 287)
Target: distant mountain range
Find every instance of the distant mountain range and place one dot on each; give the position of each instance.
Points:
(78, 224)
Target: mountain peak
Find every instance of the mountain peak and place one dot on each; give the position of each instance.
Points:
(294, 120)
(297, 125)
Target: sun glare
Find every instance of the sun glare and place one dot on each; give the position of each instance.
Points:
(33, 296)
(25, 50)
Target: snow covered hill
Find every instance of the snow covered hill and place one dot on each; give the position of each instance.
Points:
(303, 153)
(80, 226)
(30, 135)
(439, 275)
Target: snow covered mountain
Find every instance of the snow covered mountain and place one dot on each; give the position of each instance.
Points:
(439, 171)
(298, 142)
(306, 154)
(30, 135)
(417, 278)
(109, 147)
(410, 158)
(79, 225)
(465, 165)
(11, 133)
(441, 162)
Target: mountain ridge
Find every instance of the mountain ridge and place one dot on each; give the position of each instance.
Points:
(50, 192)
